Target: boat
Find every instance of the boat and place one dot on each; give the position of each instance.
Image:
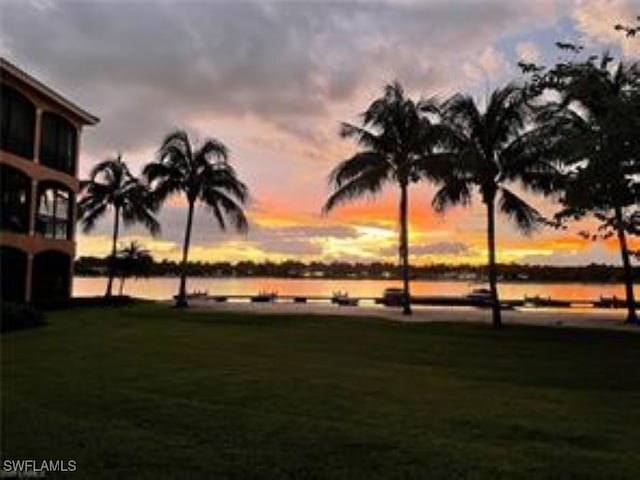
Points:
(480, 294)
(264, 297)
(335, 296)
(393, 297)
(342, 299)
(538, 301)
(198, 294)
(348, 302)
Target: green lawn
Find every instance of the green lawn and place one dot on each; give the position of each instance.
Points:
(149, 392)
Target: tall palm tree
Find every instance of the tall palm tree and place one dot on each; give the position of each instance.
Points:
(112, 186)
(396, 137)
(491, 149)
(203, 175)
(595, 130)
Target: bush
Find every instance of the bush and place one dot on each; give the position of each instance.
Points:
(19, 317)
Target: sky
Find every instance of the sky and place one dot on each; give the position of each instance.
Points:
(273, 80)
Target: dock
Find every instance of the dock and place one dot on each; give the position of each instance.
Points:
(425, 300)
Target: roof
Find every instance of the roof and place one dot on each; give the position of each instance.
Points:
(24, 77)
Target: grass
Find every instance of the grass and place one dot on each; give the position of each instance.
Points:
(149, 392)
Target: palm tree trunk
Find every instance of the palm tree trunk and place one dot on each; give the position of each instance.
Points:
(112, 258)
(404, 247)
(121, 285)
(632, 316)
(493, 276)
(181, 301)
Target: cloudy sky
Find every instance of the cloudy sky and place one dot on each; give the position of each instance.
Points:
(272, 80)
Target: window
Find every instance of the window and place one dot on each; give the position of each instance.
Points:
(58, 143)
(17, 128)
(15, 200)
(54, 213)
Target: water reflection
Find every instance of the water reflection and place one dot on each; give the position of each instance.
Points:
(163, 288)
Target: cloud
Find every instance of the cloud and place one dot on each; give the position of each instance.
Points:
(594, 253)
(150, 66)
(262, 239)
(528, 52)
(435, 249)
(596, 20)
(443, 248)
(291, 247)
(306, 231)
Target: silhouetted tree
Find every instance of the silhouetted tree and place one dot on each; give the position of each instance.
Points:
(132, 260)
(397, 138)
(491, 149)
(111, 185)
(594, 128)
(203, 175)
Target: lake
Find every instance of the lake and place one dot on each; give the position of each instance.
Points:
(163, 288)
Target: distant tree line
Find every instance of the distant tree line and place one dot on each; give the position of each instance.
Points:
(594, 273)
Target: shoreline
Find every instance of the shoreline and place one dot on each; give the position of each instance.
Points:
(542, 317)
(368, 279)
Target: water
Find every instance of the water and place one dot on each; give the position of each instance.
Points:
(163, 288)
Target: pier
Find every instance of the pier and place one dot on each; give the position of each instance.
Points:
(424, 300)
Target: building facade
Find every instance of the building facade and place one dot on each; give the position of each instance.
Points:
(39, 142)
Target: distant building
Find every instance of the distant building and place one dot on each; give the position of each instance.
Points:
(39, 139)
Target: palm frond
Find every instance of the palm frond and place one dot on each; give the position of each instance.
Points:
(505, 115)
(212, 148)
(164, 180)
(526, 218)
(369, 182)
(362, 136)
(355, 166)
(175, 152)
(178, 139)
(146, 217)
(220, 189)
(454, 191)
(137, 206)
(217, 213)
(233, 211)
(431, 105)
(108, 168)
(223, 177)
(461, 113)
(89, 216)
(382, 110)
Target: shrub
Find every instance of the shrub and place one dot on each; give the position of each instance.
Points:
(17, 316)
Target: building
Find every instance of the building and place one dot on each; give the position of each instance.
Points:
(39, 140)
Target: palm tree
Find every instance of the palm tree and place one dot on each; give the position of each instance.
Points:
(396, 138)
(595, 130)
(489, 150)
(132, 260)
(203, 175)
(111, 185)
